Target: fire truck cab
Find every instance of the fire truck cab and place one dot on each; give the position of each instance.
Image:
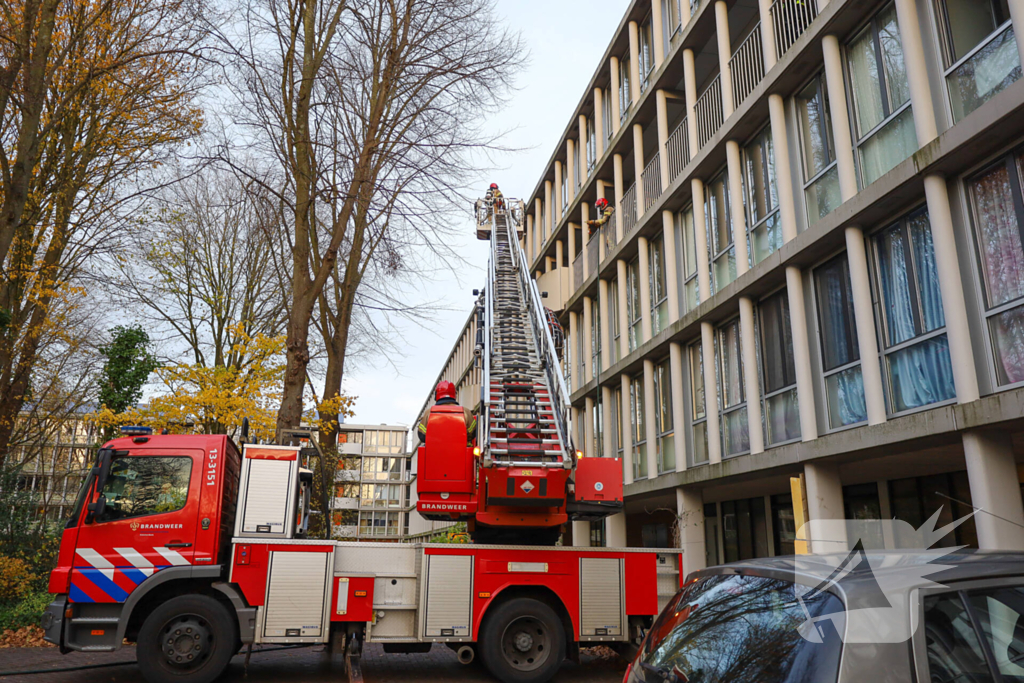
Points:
(192, 548)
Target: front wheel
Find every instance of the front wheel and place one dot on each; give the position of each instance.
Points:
(188, 639)
(522, 641)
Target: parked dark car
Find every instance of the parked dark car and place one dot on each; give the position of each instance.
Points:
(797, 619)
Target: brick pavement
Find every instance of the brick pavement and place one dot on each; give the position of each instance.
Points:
(309, 665)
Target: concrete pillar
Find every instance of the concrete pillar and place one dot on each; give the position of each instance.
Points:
(549, 213)
(825, 502)
(783, 168)
(588, 429)
(638, 168)
(603, 310)
(615, 530)
(557, 206)
(644, 267)
(607, 396)
(690, 89)
(560, 256)
(662, 110)
(916, 64)
(529, 238)
(700, 235)
(626, 429)
(581, 534)
(613, 66)
(650, 427)
(961, 353)
(583, 165)
(549, 263)
(623, 310)
(840, 117)
(801, 354)
(634, 62)
(995, 490)
(736, 206)
(617, 171)
(675, 367)
(1017, 16)
(668, 223)
(588, 342)
(599, 121)
(574, 374)
(690, 513)
(724, 55)
(860, 285)
(707, 336)
(767, 33)
(658, 31)
(570, 170)
(751, 385)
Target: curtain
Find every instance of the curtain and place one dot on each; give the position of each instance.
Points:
(846, 394)
(921, 374)
(896, 141)
(892, 57)
(866, 85)
(732, 389)
(1008, 340)
(999, 233)
(838, 340)
(928, 290)
(893, 266)
(783, 414)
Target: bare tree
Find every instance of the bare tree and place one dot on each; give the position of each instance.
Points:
(372, 110)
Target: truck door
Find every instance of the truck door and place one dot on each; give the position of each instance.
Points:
(148, 524)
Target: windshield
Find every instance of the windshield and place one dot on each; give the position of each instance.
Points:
(743, 628)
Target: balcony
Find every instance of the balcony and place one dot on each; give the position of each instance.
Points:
(577, 271)
(345, 531)
(628, 209)
(345, 504)
(709, 112)
(593, 253)
(747, 66)
(678, 149)
(346, 475)
(790, 18)
(651, 179)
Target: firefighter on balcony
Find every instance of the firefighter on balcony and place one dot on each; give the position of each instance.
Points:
(604, 213)
(444, 396)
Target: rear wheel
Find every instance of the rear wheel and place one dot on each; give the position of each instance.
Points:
(522, 641)
(188, 639)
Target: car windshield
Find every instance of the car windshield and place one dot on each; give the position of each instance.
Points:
(745, 628)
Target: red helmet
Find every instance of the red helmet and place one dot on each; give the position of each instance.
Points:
(445, 389)
(494, 186)
(601, 204)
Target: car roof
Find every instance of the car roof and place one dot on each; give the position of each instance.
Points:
(957, 565)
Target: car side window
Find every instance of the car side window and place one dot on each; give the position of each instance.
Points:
(148, 485)
(998, 612)
(955, 652)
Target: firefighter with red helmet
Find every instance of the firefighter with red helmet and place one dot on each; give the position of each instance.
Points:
(495, 199)
(444, 395)
(604, 212)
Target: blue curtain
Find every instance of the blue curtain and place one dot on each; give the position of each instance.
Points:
(921, 374)
(927, 274)
(892, 261)
(850, 403)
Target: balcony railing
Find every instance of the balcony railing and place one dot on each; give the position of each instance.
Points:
(593, 253)
(651, 178)
(791, 18)
(678, 149)
(577, 271)
(709, 112)
(747, 66)
(628, 209)
(608, 235)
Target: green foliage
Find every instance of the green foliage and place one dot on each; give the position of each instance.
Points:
(128, 366)
(25, 612)
(454, 534)
(25, 536)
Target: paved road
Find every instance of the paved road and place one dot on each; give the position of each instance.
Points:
(308, 665)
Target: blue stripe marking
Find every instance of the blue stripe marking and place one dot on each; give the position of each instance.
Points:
(134, 574)
(105, 584)
(77, 595)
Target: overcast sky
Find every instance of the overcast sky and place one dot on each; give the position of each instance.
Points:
(565, 40)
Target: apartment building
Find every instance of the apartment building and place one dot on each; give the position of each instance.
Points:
(815, 269)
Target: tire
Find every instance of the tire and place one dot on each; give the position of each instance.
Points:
(188, 639)
(522, 641)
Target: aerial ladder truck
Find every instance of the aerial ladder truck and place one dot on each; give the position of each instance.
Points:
(196, 549)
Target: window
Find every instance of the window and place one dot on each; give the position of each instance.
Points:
(663, 417)
(595, 338)
(350, 437)
(617, 422)
(726, 623)
(863, 512)
(980, 52)
(381, 441)
(744, 529)
(565, 188)
(844, 386)
(597, 534)
(671, 20)
(916, 499)
(139, 486)
(382, 469)
(625, 93)
(698, 414)
(597, 417)
(347, 491)
(581, 357)
(633, 308)
(638, 422)
(781, 407)
(591, 145)
(762, 196)
(719, 227)
(606, 109)
(821, 176)
(688, 259)
(968, 632)
(646, 53)
(998, 209)
(381, 496)
(659, 293)
(783, 524)
(613, 312)
(915, 349)
(735, 435)
(883, 120)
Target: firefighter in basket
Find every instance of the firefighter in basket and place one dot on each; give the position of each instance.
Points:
(495, 199)
(604, 213)
(444, 395)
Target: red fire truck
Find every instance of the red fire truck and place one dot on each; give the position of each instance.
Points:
(194, 548)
